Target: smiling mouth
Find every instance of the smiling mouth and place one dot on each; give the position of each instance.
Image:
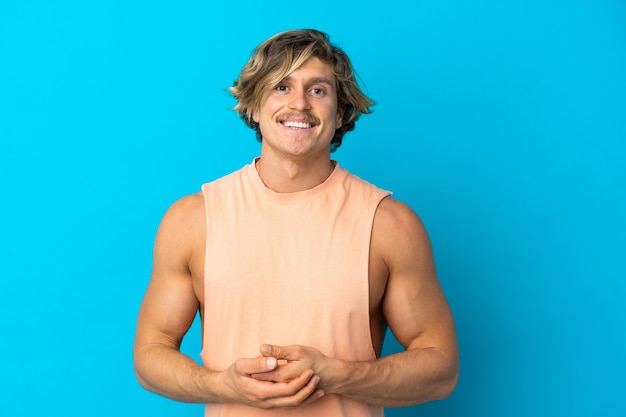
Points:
(297, 125)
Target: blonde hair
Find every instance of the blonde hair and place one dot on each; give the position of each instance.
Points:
(279, 56)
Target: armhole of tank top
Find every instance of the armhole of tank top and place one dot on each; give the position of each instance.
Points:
(382, 195)
(204, 189)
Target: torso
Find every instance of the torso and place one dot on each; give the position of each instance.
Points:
(378, 271)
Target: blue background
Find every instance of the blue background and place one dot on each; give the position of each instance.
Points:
(502, 123)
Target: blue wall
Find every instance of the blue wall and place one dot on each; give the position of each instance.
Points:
(501, 122)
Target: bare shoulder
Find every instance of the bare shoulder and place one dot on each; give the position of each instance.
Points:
(185, 214)
(394, 210)
(171, 299)
(398, 231)
(187, 209)
(182, 226)
(414, 304)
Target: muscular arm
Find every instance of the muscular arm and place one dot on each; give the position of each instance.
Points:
(417, 313)
(167, 312)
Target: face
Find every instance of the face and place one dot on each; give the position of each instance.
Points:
(299, 116)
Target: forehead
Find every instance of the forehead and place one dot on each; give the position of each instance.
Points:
(313, 70)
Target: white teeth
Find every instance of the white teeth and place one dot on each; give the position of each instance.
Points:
(300, 125)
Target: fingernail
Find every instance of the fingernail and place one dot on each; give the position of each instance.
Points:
(266, 349)
(271, 362)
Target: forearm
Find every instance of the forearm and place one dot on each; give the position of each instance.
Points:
(402, 379)
(166, 371)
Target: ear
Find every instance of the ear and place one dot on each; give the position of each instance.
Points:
(255, 116)
(339, 121)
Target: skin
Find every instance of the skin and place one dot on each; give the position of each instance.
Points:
(404, 290)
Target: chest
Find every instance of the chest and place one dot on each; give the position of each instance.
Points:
(377, 276)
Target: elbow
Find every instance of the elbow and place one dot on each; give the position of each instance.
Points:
(138, 375)
(446, 388)
(144, 382)
(139, 365)
(448, 382)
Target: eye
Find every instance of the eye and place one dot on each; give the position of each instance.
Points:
(318, 91)
(281, 88)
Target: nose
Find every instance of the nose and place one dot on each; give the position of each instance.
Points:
(299, 100)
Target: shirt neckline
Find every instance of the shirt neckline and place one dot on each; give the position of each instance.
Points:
(252, 173)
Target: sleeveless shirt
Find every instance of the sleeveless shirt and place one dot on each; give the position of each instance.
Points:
(288, 268)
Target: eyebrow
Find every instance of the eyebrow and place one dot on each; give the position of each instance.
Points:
(318, 80)
(323, 81)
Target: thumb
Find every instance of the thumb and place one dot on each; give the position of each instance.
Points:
(256, 365)
(278, 352)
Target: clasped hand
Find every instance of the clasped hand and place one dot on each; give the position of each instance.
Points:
(282, 377)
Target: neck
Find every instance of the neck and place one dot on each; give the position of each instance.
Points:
(284, 176)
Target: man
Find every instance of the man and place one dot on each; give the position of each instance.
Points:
(296, 266)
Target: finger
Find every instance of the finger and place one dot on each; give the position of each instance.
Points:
(317, 394)
(278, 352)
(284, 372)
(276, 391)
(309, 393)
(306, 394)
(249, 366)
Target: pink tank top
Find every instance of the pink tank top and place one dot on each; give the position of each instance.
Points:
(288, 269)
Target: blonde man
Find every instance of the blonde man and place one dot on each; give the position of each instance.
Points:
(296, 266)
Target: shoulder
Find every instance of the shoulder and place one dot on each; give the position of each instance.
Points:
(394, 215)
(356, 181)
(366, 195)
(186, 209)
(183, 223)
(398, 231)
(226, 181)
